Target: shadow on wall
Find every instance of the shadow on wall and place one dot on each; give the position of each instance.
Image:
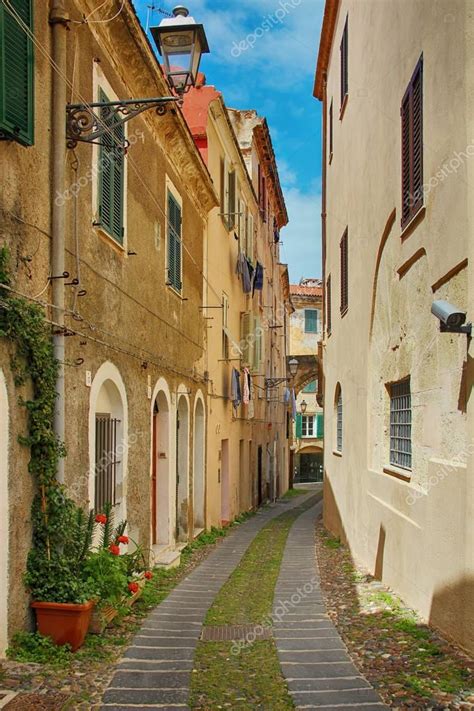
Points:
(452, 611)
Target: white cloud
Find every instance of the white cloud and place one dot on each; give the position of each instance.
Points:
(302, 237)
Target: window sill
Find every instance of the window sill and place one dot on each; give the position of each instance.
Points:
(111, 241)
(337, 453)
(175, 292)
(413, 223)
(403, 474)
(343, 107)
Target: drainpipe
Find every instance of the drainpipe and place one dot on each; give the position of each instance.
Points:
(58, 19)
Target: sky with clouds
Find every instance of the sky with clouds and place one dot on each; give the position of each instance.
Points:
(263, 57)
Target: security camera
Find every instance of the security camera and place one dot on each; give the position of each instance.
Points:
(452, 319)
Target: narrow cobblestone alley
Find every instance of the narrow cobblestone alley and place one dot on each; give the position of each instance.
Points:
(156, 669)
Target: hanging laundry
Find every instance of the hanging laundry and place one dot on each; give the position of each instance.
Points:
(251, 407)
(251, 275)
(242, 269)
(286, 396)
(258, 279)
(246, 388)
(236, 394)
(293, 404)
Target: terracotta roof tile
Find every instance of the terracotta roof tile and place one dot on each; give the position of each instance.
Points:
(300, 290)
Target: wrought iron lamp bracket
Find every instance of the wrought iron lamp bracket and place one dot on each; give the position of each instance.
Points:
(84, 124)
(274, 382)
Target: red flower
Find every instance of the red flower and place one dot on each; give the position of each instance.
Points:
(148, 575)
(101, 518)
(133, 587)
(115, 550)
(122, 539)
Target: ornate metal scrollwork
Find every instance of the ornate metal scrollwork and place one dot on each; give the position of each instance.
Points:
(84, 123)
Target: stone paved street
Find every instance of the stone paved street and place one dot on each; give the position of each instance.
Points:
(313, 658)
(156, 669)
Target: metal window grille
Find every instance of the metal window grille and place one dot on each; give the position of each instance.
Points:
(307, 426)
(400, 424)
(106, 461)
(339, 423)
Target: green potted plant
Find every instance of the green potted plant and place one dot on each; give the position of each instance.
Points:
(62, 595)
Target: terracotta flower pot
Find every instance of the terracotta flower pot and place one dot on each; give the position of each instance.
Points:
(65, 623)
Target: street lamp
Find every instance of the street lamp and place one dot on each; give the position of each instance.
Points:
(303, 406)
(293, 367)
(181, 42)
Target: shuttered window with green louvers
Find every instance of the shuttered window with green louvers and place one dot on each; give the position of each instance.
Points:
(111, 174)
(16, 72)
(174, 243)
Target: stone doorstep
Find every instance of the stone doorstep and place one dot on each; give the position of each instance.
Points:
(6, 695)
(166, 558)
(231, 633)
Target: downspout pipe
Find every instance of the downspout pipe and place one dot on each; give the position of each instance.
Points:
(58, 19)
(320, 395)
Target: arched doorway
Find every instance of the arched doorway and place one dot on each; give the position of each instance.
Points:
(108, 441)
(199, 484)
(182, 467)
(160, 470)
(4, 512)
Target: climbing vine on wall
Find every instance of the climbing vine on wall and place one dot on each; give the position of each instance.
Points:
(23, 323)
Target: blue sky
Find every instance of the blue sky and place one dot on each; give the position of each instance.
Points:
(263, 57)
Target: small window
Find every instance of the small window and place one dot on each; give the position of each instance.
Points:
(339, 423)
(344, 248)
(307, 426)
(328, 304)
(400, 424)
(106, 461)
(412, 146)
(111, 174)
(311, 387)
(310, 321)
(174, 256)
(16, 73)
(344, 62)
(331, 131)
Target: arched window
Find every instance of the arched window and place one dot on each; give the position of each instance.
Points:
(338, 415)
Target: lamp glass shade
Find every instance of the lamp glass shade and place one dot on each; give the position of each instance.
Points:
(293, 366)
(181, 42)
(303, 406)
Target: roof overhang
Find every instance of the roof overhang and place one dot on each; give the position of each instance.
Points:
(325, 45)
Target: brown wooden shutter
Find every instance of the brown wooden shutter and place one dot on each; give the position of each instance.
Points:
(344, 62)
(344, 273)
(331, 130)
(412, 146)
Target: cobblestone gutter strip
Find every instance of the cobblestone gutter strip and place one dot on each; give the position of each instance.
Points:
(313, 658)
(409, 663)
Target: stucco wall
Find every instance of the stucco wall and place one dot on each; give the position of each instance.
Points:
(423, 540)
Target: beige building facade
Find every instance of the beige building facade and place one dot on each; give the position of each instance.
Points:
(247, 451)
(133, 249)
(397, 213)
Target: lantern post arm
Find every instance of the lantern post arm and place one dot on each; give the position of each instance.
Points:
(84, 124)
(274, 382)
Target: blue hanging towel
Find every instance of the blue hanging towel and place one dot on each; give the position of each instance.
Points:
(258, 279)
(236, 391)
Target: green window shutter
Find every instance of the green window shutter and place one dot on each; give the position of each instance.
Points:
(232, 197)
(299, 425)
(311, 321)
(111, 175)
(16, 73)
(246, 337)
(174, 243)
(257, 351)
(319, 425)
